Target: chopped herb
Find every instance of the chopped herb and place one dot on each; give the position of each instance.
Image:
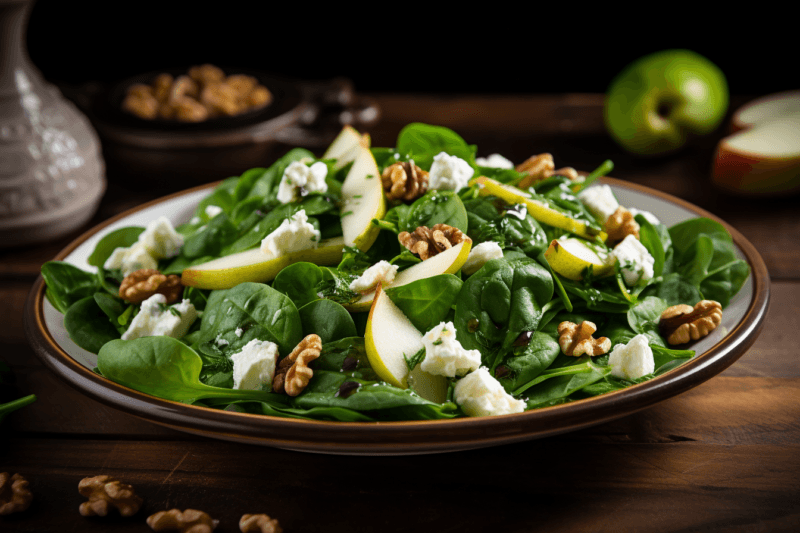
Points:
(415, 359)
(347, 213)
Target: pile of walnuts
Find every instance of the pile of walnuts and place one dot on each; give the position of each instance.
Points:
(204, 92)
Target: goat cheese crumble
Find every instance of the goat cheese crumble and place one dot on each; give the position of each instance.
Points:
(449, 172)
(381, 272)
(155, 318)
(480, 394)
(494, 161)
(635, 261)
(300, 179)
(213, 210)
(480, 255)
(293, 235)
(444, 355)
(599, 201)
(633, 360)
(158, 241)
(254, 365)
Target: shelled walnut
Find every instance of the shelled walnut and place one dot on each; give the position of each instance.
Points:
(202, 94)
(621, 224)
(404, 181)
(681, 323)
(293, 374)
(15, 496)
(576, 339)
(427, 242)
(540, 167)
(105, 492)
(140, 285)
(259, 523)
(188, 521)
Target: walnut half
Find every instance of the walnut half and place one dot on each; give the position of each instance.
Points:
(293, 373)
(105, 492)
(681, 323)
(140, 285)
(621, 224)
(15, 496)
(540, 167)
(404, 181)
(259, 523)
(188, 521)
(576, 339)
(427, 242)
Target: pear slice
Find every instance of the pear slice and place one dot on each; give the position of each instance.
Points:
(346, 146)
(538, 210)
(390, 338)
(570, 257)
(362, 200)
(447, 262)
(255, 265)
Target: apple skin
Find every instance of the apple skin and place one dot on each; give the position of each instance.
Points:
(659, 100)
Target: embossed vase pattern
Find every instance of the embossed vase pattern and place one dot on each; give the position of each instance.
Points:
(52, 175)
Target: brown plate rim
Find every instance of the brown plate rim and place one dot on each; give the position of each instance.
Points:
(404, 437)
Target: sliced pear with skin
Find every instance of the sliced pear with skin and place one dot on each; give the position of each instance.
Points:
(362, 200)
(255, 265)
(571, 257)
(538, 210)
(447, 262)
(346, 146)
(390, 338)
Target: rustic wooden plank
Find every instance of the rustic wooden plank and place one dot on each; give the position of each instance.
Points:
(552, 484)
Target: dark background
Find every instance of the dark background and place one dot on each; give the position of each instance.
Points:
(414, 47)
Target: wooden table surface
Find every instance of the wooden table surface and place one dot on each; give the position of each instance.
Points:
(724, 456)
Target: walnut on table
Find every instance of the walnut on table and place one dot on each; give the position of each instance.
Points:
(105, 492)
(140, 285)
(427, 242)
(576, 339)
(259, 523)
(293, 374)
(404, 181)
(188, 521)
(15, 496)
(681, 323)
(621, 224)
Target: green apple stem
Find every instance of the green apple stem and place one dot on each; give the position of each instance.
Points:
(604, 168)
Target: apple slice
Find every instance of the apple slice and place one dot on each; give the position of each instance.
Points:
(570, 257)
(255, 265)
(538, 210)
(390, 338)
(764, 159)
(447, 262)
(345, 147)
(362, 200)
(766, 109)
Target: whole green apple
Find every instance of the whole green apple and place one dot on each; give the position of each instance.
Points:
(657, 101)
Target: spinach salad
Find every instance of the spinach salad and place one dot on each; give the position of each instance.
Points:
(475, 333)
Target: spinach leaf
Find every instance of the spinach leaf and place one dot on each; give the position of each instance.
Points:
(556, 387)
(644, 317)
(267, 184)
(298, 281)
(346, 355)
(676, 290)
(421, 142)
(650, 239)
(335, 286)
(166, 368)
(121, 238)
(491, 219)
(436, 207)
(327, 319)
(500, 302)
(246, 182)
(66, 284)
(208, 240)
(529, 361)
(88, 326)
(114, 308)
(426, 301)
(257, 311)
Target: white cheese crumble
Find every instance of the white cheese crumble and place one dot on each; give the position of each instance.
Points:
(449, 172)
(494, 161)
(380, 273)
(633, 360)
(239, 332)
(294, 234)
(254, 365)
(650, 217)
(213, 210)
(299, 179)
(444, 355)
(480, 394)
(635, 261)
(600, 201)
(158, 241)
(155, 318)
(220, 341)
(519, 211)
(480, 255)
